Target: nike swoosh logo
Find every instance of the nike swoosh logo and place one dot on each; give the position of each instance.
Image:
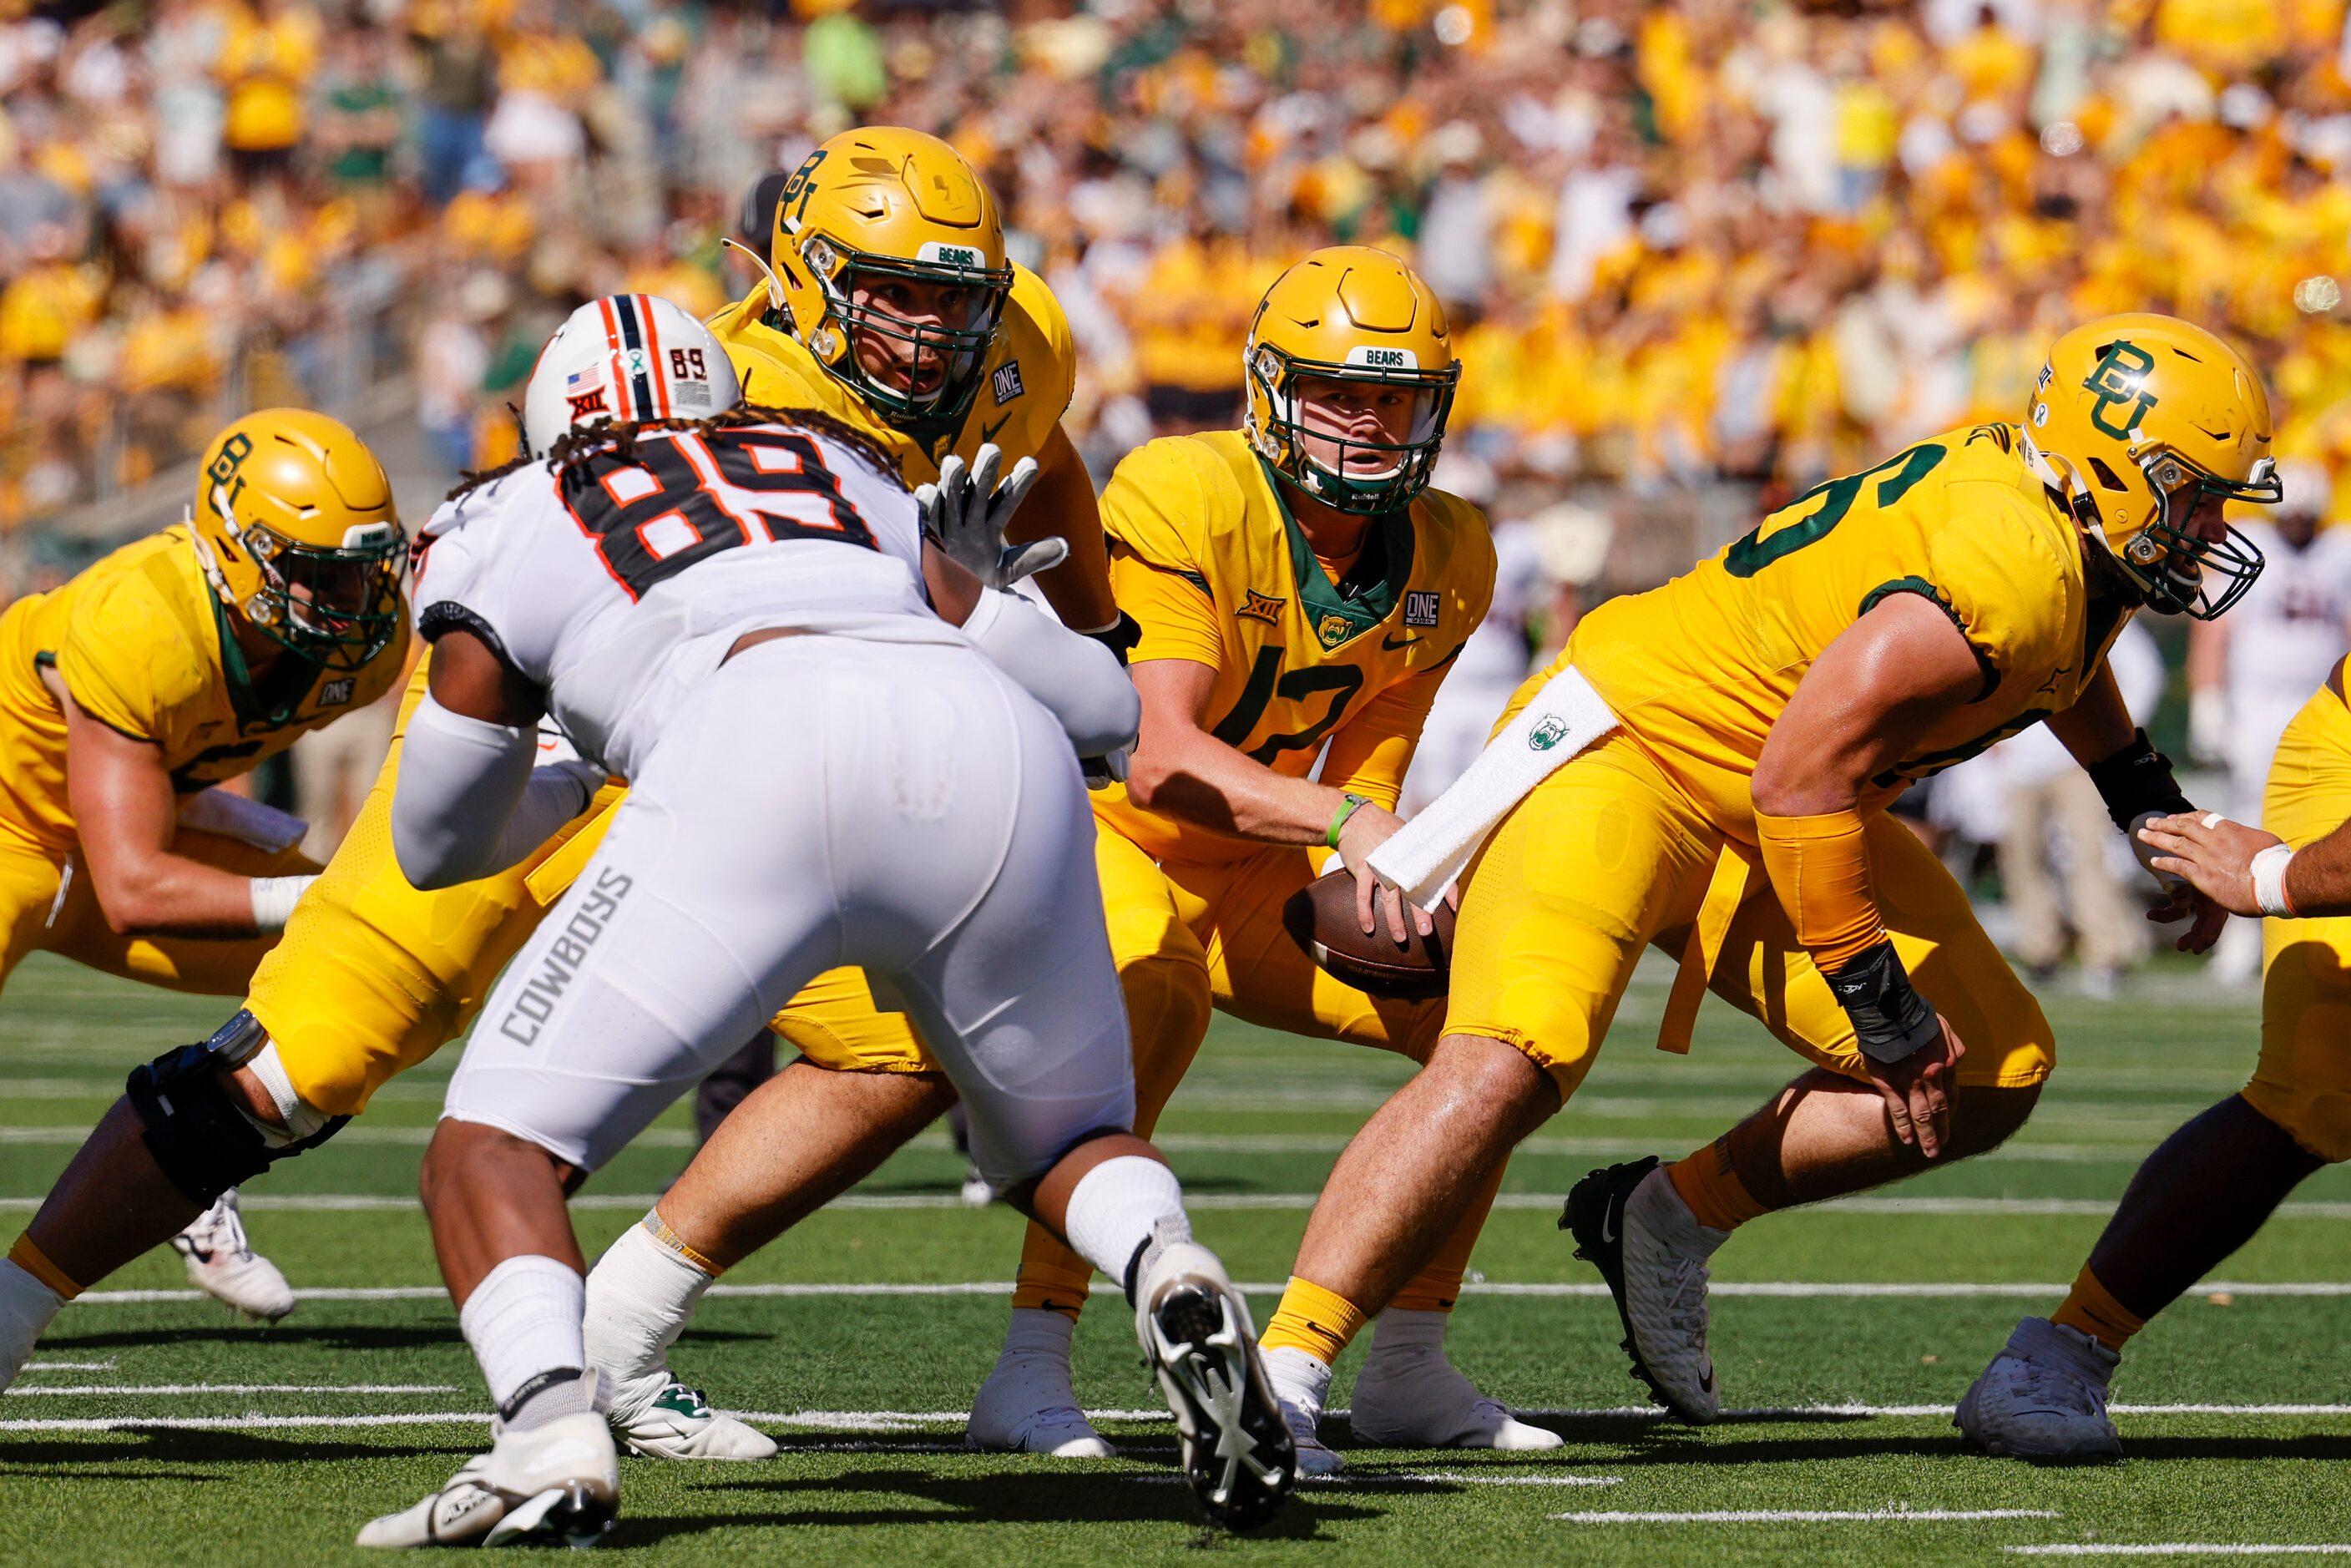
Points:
(987, 432)
(1608, 1225)
(1707, 1381)
(1393, 643)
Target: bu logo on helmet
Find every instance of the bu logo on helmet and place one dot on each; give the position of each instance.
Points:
(2120, 375)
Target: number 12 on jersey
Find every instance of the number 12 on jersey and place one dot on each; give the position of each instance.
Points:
(682, 495)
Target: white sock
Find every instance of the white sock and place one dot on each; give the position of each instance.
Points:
(1119, 1206)
(1039, 1330)
(639, 1294)
(1400, 1336)
(1299, 1378)
(26, 1309)
(524, 1321)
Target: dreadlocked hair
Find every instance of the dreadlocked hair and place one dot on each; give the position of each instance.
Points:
(618, 438)
(473, 480)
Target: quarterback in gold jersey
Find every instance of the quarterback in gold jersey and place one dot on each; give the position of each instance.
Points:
(1300, 592)
(175, 663)
(374, 976)
(1706, 770)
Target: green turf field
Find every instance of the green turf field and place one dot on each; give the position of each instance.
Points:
(156, 1430)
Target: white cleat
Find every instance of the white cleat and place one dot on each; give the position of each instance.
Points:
(660, 1417)
(1237, 1446)
(1317, 1460)
(223, 1264)
(561, 1480)
(1027, 1406)
(1417, 1399)
(2044, 1397)
(1632, 1226)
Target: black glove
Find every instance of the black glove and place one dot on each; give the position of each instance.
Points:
(1120, 636)
(2137, 780)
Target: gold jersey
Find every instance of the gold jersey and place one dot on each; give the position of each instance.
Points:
(1207, 557)
(1024, 388)
(1698, 670)
(144, 646)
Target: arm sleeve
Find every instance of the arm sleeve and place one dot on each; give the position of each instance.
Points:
(1080, 680)
(468, 803)
(1819, 867)
(1369, 755)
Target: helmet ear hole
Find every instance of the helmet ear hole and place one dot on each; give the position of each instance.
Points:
(2107, 477)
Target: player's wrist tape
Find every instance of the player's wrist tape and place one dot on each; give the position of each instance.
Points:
(274, 898)
(2137, 780)
(1353, 804)
(1890, 1019)
(2269, 881)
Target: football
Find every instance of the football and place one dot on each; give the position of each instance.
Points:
(1321, 918)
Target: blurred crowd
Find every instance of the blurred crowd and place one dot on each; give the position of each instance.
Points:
(1682, 243)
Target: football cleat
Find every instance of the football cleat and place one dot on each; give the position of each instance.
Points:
(660, 1417)
(1027, 1406)
(1631, 1225)
(1237, 1449)
(558, 1482)
(1300, 1382)
(1420, 1400)
(223, 1264)
(2044, 1397)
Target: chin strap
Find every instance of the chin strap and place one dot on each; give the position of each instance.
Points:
(774, 286)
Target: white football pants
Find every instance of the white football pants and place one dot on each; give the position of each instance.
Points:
(821, 802)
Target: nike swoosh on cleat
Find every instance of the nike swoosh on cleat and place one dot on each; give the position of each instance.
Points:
(1608, 1225)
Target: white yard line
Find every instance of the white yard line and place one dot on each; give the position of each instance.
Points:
(186, 1388)
(1815, 1516)
(67, 1366)
(2181, 1549)
(1352, 1478)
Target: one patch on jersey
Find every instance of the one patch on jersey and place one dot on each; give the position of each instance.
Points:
(1421, 608)
(1006, 382)
(336, 694)
(1261, 607)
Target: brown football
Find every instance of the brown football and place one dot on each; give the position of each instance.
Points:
(1321, 918)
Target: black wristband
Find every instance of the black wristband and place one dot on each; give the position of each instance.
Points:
(1889, 1016)
(2137, 780)
(1120, 636)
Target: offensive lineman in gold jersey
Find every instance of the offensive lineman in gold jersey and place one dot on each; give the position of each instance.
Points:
(1297, 586)
(174, 664)
(902, 318)
(1707, 768)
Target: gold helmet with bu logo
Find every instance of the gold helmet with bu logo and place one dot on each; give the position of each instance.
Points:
(295, 526)
(1350, 312)
(867, 213)
(2148, 425)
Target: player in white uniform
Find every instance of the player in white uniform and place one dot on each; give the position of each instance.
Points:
(741, 615)
(2250, 675)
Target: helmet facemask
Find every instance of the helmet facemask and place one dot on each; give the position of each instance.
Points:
(338, 607)
(2171, 560)
(957, 352)
(1283, 436)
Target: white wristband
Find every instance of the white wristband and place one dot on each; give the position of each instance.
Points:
(2269, 881)
(274, 898)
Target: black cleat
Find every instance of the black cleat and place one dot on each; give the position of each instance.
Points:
(1594, 1214)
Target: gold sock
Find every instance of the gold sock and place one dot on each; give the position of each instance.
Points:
(1436, 1288)
(36, 1263)
(658, 1228)
(1051, 1277)
(2091, 1309)
(1314, 1319)
(1711, 1187)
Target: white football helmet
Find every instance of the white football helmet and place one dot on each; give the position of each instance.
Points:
(625, 357)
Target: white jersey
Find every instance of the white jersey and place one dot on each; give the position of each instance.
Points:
(2287, 632)
(619, 583)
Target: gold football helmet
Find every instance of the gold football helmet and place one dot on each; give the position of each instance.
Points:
(2148, 425)
(1350, 312)
(879, 206)
(294, 525)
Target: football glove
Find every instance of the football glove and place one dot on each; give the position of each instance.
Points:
(965, 514)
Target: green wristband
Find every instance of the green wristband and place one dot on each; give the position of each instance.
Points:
(1353, 804)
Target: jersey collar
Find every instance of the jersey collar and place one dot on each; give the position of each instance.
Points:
(1339, 612)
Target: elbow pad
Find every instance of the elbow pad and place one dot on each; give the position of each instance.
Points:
(1081, 682)
(460, 781)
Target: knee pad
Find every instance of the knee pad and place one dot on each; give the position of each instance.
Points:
(201, 1138)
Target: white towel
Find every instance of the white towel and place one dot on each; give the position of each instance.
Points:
(242, 818)
(1424, 857)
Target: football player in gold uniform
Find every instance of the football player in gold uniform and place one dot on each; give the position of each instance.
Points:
(1731, 740)
(175, 663)
(1301, 592)
(2216, 1181)
(900, 316)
